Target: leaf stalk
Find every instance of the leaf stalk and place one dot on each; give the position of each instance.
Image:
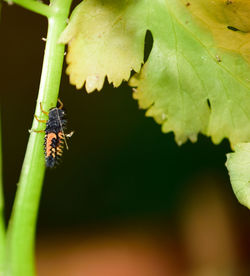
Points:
(32, 5)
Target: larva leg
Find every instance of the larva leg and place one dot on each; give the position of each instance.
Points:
(43, 111)
(61, 104)
(69, 134)
(39, 120)
(37, 131)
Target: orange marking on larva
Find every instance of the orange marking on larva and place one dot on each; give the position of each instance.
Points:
(59, 153)
(60, 143)
(49, 137)
(60, 135)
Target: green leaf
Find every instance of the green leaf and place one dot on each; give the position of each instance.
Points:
(238, 165)
(197, 76)
(192, 81)
(185, 70)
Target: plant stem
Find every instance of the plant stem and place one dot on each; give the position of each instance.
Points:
(21, 231)
(2, 224)
(33, 5)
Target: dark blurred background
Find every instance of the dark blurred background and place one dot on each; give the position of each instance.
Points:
(122, 179)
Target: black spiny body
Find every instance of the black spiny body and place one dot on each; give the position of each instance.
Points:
(54, 136)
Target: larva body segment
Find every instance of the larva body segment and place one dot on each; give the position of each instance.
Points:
(54, 136)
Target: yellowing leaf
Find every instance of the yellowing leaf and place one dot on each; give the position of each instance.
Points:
(238, 164)
(218, 16)
(105, 39)
(194, 81)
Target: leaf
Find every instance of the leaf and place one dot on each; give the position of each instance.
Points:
(221, 14)
(105, 39)
(238, 165)
(196, 79)
(189, 84)
(197, 76)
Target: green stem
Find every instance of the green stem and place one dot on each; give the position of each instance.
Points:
(33, 5)
(2, 224)
(21, 231)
